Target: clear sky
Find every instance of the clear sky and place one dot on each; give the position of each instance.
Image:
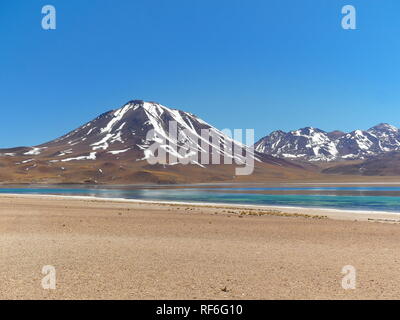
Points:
(266, 64)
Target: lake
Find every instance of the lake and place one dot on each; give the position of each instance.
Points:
(375, 198)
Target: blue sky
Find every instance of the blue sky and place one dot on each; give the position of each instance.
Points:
(267, 64)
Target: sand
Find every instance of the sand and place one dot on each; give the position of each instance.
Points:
(104, 249)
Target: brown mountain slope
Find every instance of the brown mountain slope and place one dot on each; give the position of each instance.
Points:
(125, 172)
(387, 164)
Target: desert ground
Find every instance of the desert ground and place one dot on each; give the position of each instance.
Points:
(103, 249)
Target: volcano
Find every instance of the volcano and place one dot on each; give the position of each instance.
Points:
(113, 148)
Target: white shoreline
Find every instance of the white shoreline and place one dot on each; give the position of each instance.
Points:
(337, 214)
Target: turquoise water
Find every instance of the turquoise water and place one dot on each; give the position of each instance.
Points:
(353, 198)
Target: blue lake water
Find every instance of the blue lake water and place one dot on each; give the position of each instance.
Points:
(350, 198)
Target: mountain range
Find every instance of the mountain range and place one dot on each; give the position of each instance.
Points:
(114, 149)
(314, 144)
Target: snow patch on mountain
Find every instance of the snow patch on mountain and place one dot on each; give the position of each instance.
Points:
(91, 156)
(35, 151)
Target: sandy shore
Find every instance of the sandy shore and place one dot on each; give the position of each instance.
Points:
(131, 250)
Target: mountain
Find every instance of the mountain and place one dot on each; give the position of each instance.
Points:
(115, 148)
(389, 136)
(122, 134)
(313, 144)
(307, 143)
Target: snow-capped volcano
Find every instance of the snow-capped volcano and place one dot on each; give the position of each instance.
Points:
(124, 132)
(317, 145)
